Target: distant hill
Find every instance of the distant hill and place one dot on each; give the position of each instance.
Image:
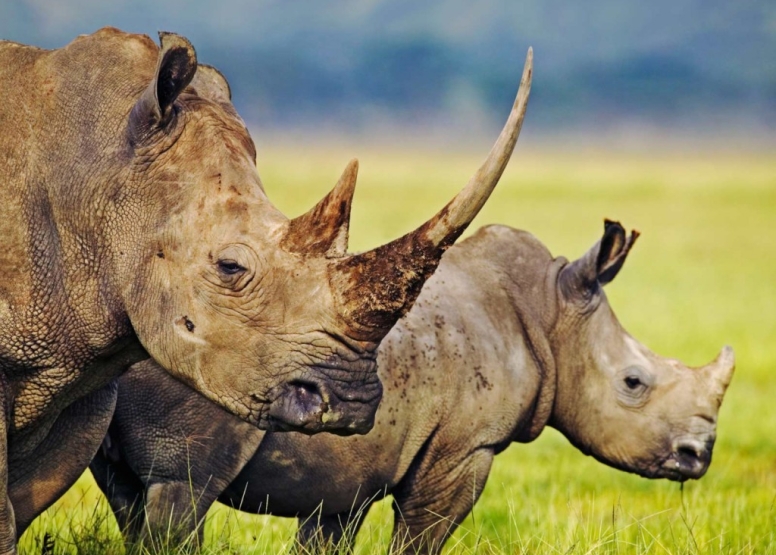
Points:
(349, 63)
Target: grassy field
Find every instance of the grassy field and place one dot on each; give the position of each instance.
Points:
(702, 275)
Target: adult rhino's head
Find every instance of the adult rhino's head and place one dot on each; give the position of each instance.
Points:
(616, 399)
(269, 317)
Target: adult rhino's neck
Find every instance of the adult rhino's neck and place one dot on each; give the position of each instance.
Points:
(85, 215)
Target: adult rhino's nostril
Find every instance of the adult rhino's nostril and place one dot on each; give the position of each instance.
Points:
(308, 396)
(308, 393)
(299, 407)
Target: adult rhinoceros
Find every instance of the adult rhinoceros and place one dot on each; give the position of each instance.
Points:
(503, 340)
(133, 223)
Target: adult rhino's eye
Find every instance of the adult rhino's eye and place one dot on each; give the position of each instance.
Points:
(229, 267)
(232, 267)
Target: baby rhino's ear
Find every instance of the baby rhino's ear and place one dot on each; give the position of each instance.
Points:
(614, 249)
(600, 264)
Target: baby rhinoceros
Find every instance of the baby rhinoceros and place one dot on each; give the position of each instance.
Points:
(503, 340)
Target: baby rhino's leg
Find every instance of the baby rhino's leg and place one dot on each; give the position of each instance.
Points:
(435, 497)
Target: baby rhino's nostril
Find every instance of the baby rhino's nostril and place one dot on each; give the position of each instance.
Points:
(692, 455)
(688, 451)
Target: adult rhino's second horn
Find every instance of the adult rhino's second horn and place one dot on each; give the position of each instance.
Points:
(324, 228)
(377, 287)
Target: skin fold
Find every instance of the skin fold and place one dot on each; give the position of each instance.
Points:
(503, 340)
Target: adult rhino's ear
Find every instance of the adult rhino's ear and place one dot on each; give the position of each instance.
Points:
(600, 264)
(175, 68)
(210, 83)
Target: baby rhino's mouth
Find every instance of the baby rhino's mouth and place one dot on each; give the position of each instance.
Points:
(689, 459)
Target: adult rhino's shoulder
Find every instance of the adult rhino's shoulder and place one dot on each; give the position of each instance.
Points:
(117, 36)
(108, 45)
(112, 33)
(11, 45)
(10, 51)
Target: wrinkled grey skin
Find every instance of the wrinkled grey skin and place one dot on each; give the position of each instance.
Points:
(503, 340)
(133, 223)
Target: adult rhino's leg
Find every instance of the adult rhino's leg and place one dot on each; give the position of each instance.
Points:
(434, 497)
(175, 513)
(40, 477)
(183, 449)
(331, 533)
(153, 511)
(7, 520)
(122, 487)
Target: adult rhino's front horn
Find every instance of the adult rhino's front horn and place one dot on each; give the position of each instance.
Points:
(375, 288)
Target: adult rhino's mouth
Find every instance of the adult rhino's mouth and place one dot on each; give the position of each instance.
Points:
(299, 407)
(324, 404)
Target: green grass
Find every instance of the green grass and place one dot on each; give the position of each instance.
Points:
(702, 275)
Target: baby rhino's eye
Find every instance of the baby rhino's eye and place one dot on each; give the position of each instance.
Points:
(632, 382)
(633, 385)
